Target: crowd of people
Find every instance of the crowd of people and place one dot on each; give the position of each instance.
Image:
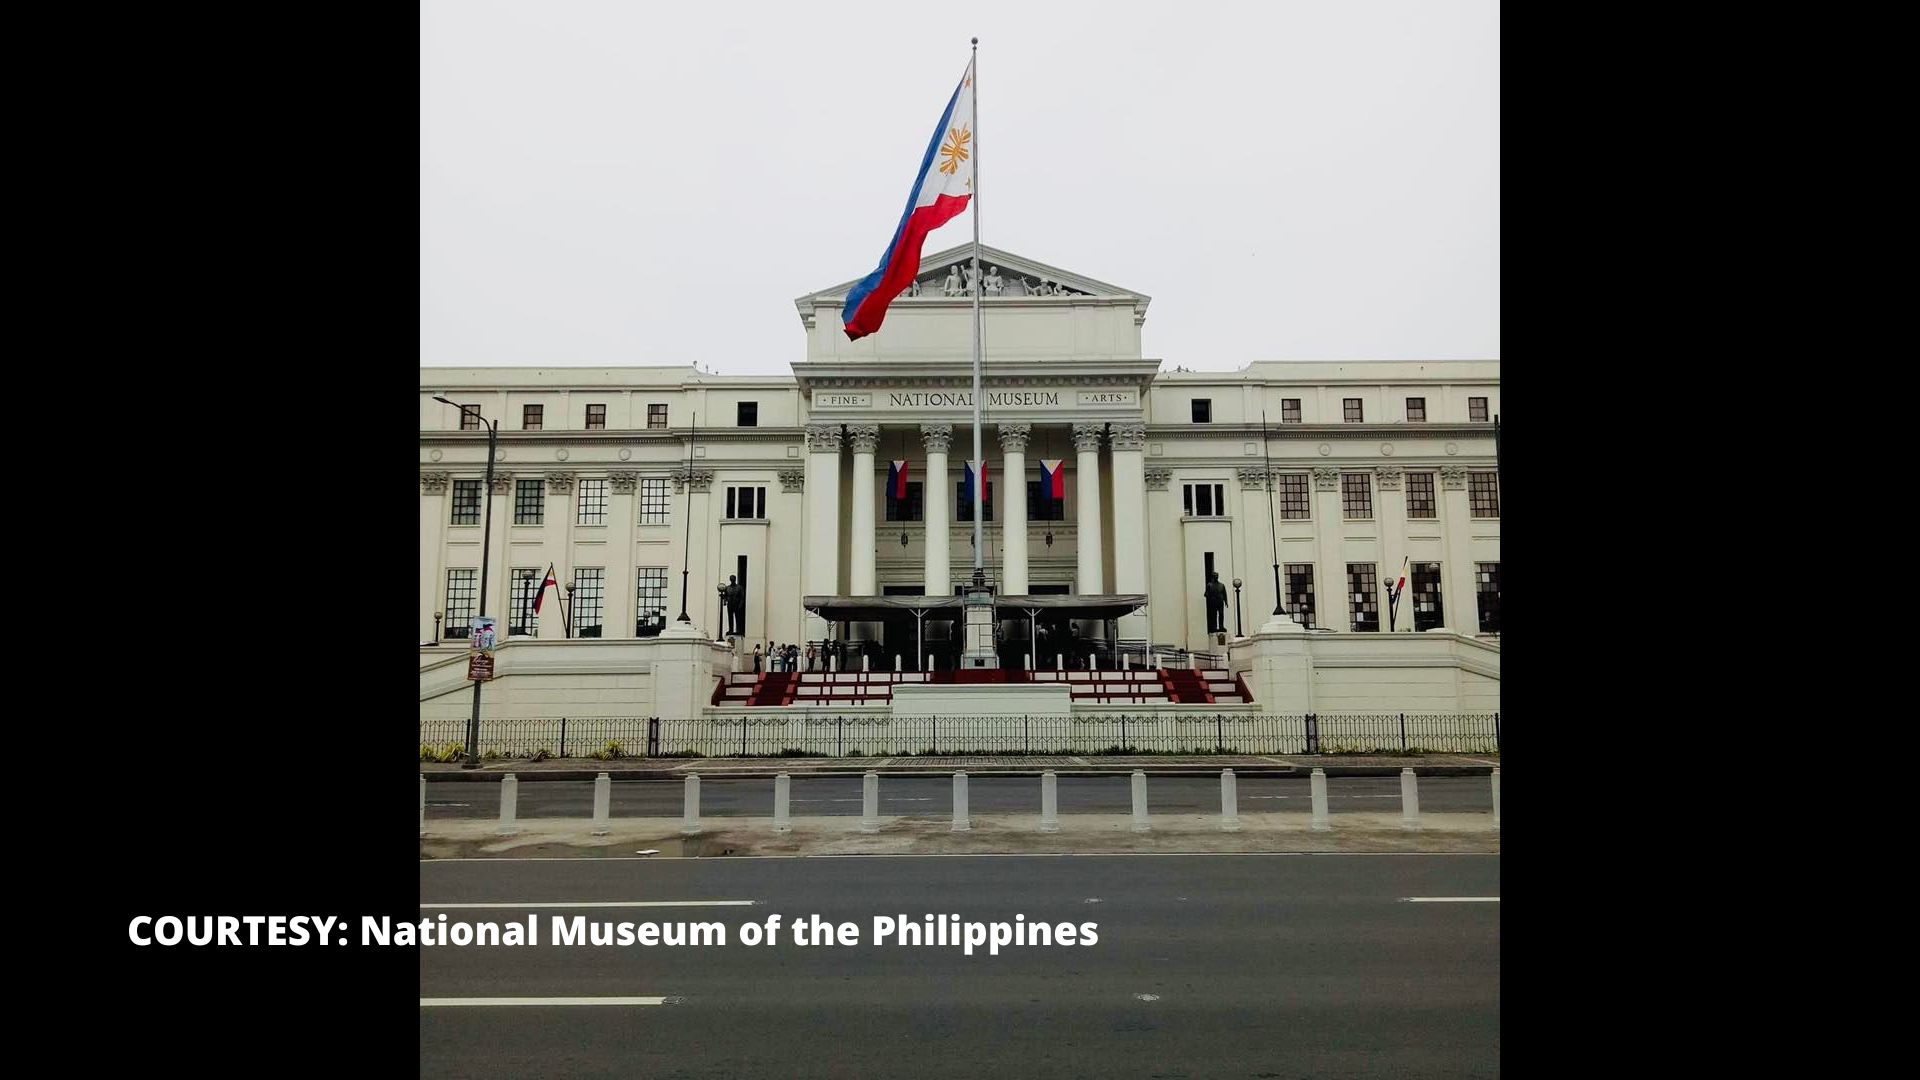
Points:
(788, 657)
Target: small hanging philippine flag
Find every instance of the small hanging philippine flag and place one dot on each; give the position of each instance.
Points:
(966, 485)
(897, 479)
(544, 586)
(1053, 479)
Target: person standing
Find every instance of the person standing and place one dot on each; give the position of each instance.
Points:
(756, 658)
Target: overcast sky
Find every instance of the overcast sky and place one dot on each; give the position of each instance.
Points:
(611, 182)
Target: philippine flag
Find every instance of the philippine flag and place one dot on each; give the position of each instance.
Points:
(897, 479)
(1053, 479)
(966, 484)
(941, 189)
(1400, 586)
(541, 596)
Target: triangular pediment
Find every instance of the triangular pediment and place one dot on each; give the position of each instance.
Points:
(943, 275)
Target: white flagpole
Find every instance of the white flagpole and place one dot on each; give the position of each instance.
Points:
(979, 478)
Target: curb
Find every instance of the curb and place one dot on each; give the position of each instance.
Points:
(995, 771)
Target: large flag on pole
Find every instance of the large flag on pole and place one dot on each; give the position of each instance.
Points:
(1053, 479)
(967, 482)
(897, 479)
(941, 189)
(549, 583)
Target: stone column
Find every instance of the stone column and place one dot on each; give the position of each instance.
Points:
(621, 518)
(939, 576)
(823, 520)
(1390, 506)
(1013, 481)
(499, 586)
(559, 547)
(1130, 521)
(1457, 592)
(1327, 523)
(1086, 491)
(433, 529)
(863, 439)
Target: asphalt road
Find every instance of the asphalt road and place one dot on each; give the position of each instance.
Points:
(1206, 966)
(933, 796)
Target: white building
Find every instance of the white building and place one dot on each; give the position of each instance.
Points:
(608, 474)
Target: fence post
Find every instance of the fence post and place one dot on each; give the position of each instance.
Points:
(743, 736)
(690, 816)
(1026, 735)
(1496, 733)
(936, 734)
(1229, 802)
(1049, 802)
(1317, 783)
(1140, 801)
(1409, 800)
(961, 823)
(653, 736)
(1403, 733)
(602, 804)
(870, 802)
(1123, 731)
(839, 736)
(423, 804)
(1313, 733)
(1496, 799)
(509, 804)
(1219, 736)
(782, 789)
(563, 736)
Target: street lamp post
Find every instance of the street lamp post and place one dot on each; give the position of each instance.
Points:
(486, 546)
(1237, 632)
(1388, 590)
(436, 628)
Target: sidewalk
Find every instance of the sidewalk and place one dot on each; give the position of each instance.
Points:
(1009, 765)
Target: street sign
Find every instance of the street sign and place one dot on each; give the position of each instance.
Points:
(480, 666)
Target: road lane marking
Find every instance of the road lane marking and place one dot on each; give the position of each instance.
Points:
(1449, 899)
(608, 904)
(427, 1003)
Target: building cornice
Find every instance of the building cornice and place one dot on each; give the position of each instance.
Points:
(1320, 431)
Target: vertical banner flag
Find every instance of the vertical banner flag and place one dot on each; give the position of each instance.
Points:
(897, 479)
(1400, 586)
(541, 596)
(941, 189)
(1053, 480)
(966, 493)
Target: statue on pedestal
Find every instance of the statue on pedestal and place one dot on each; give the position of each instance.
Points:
(733, 597)
(994, 283)
(1216, 604)
(953, 281)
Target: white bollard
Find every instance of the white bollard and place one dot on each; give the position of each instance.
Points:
(509, 804)
(896, 663)
(929, 666)
(690, 816)
(1496, 798)
(602, 803)
(1229, 801)
(423, 804)
(1029, 661)
(1318, 783)
(1409, 800)
(1140, 801)
(960, 820)
(870, 802)
(1049, 802)
(1059, 662)
(864, 661)
(1126, 662)
(833, 663)
(782, 794)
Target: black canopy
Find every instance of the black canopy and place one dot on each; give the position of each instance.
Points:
(859, 608)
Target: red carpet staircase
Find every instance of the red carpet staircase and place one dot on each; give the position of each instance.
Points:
(1185, 687)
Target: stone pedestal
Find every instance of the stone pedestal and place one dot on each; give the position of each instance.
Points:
(978, 643)
(681, 684)
(1277, 666)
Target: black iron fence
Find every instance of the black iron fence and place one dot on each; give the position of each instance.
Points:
(870, 736)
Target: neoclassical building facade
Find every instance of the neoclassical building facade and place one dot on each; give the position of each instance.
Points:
(847, 479)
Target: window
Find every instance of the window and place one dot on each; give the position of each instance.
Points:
(653, 500)
(596, 417)
(1203, 410)
(746, 503)
(593, 502)
(1420, 495)
(1205, 500)
(907, 509)
(1299, 576)
(1362, 585)
(1293, 496)
(588, 601)
(1486, 577)
(1290, 410)
(1416, 410)
(1477, 409)
(650, 597)
(1351, 408)
(521, 621)
(460, 592)
(1483, 494)
(963, 506)
(529, 502)
(532, 417)
(1428, 612)
(1356, 496)
(657, 417)
(1042, 507)
(747, 414)
(466, 502)
(469, 420)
